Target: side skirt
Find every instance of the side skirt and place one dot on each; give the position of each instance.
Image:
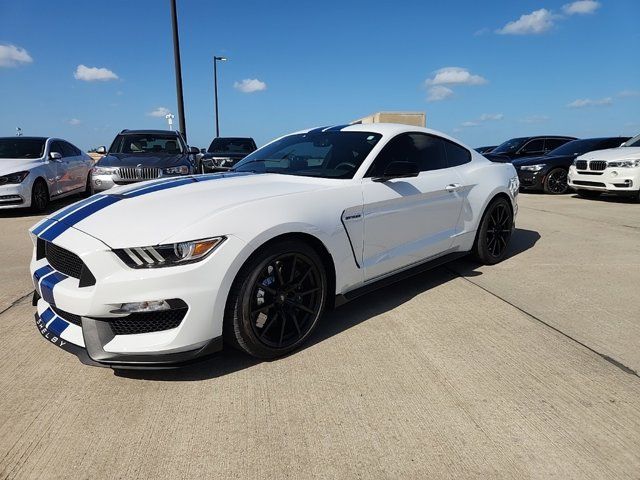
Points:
(341, 299)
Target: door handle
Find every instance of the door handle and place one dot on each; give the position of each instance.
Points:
(452, 187)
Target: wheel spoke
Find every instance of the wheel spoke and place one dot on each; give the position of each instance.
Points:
(268, 326)
(299, 306)
(263, 307)
(284, 322)
(313, 290)
(293, 268)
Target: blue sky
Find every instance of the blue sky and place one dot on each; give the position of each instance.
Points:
(482, 71)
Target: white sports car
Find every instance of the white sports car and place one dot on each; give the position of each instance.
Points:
(35, 170)
(159, 273)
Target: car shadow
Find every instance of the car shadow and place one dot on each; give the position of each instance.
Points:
(608, 198)
(338, 320)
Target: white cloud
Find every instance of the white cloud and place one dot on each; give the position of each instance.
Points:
(629, 93)
(455, 76)
(469, 124)
(93, 74)
(12, 56)
(74, 121)
(535, 119)
(533, 23)
(159, 112)
(581, 7)
(588, 102)
(250, 85)
(438, 93)
(491, 117)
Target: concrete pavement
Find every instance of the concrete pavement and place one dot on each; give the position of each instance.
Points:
(520, 370)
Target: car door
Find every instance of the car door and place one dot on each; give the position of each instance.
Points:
(532, 148)
(553, 143)
(408, 220)
(75, 167)
(57, 168)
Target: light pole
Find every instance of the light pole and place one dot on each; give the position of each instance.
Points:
(215, 89)
(176, 60)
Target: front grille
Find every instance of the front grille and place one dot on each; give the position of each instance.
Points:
(63, 260)
(597, 165)
(139, 173)
(69, 317)
(581, 164)
(588, 184)
(147, 322)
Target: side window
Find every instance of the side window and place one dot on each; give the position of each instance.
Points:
(430, 152)
(553, 143)
(398, 149)
(613, 143)
(69, 150)
(56, 147)
(456, 155)
(533, 146)
(427, 151)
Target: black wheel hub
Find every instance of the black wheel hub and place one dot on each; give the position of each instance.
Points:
(499, 230)
(285, 300)
(557, 181)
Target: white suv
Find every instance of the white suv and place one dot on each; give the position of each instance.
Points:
(615, 170)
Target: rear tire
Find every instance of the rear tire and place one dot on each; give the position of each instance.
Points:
(555, 183)
(39, 196)
(89, 188)
(494, 232)
(588, 193)
(276, 300)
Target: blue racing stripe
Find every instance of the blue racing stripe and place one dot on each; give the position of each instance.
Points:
(47, 285)
(41, 272)
(47, 316)
(316, 130)
(158, 187)
(46, 224)
(76, 206)
(337, 128)
(77, 216)
(58, 326)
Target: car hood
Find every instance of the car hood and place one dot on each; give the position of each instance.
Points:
(545, 159)
(13, 165)
(619, 153)
(225, 155)
(144, 159)
(149, 213)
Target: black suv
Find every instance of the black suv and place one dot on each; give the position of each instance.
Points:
(225, 152)
(138, 155)
(526, 147)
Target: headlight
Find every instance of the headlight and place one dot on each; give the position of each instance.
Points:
(181, 170)
(625, 164)
(103, 170)
(533, 168)
(168, 255)
(17, 177)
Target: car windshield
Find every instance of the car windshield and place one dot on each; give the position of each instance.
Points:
(146, 143)
(231, 145)
(510, 146)
(324, 154)
(16, 147)
(577, 147)
(634, 142)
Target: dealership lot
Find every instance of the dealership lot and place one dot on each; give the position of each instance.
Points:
(523, 369)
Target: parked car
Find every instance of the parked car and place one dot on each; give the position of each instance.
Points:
(138, 155)
(616, 170)
(225, 152)
(36, 170)
(484, 150)
(549, 172)
(526, 147)
(312, 219)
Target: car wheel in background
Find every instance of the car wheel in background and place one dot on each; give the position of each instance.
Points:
(555, 182)
(588, 193)
(276, 300)
(39, 196)
(494, 232)
(88, 191)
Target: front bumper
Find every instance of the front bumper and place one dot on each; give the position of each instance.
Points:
(531, 180)
(15, 195)
(105, 182)
(612, 180)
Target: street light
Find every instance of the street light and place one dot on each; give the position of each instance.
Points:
(215, 88)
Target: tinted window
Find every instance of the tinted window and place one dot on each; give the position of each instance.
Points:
(425, 150)
(510, 146)
(553, 143)
(534, 146)
(231, 145)
(68, 150)
(16, 147)
(146, 143)
(612, 143)
(324, 154)
(57, 147)
(456, 155)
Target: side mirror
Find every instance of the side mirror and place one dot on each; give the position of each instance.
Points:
(399, 170)
(55, 156)
(101, 150)
(194, 150)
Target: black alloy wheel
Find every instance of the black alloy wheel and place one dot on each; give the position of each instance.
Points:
(556, 182)
(88, 190)
(494, 232)
(276, 300)
(39, 196)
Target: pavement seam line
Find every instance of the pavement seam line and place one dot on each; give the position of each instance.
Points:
(605, 357)
(15, 302)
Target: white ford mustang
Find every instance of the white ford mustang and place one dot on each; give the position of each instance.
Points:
(159, 273)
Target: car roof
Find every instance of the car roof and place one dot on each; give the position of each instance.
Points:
(25, 138)
(155, 132)
(233, 138)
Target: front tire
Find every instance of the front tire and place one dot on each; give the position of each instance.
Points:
(494, 233)
(276, 300)
(555, 183)
(39, 196)
(88, 191)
